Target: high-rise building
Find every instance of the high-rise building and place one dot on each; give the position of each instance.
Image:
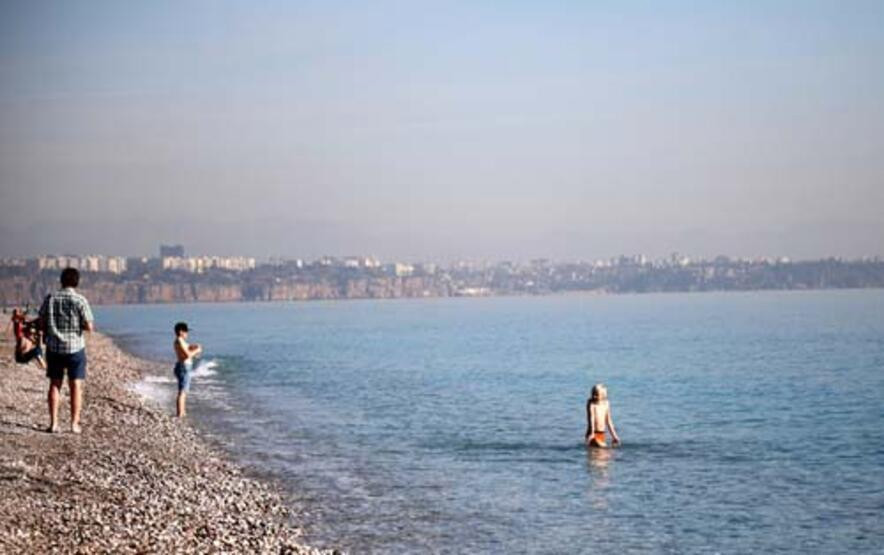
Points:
(176, 251)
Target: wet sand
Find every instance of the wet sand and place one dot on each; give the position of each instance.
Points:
(136, 480)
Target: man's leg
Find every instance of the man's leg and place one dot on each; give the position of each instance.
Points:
(54, 388)
(76, 403)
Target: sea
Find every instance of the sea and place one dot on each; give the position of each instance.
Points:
(750, 422)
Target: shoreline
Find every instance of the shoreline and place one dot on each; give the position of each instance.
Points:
(136, 480)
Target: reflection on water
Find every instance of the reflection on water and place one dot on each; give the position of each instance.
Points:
(598, 459)
(598, 462)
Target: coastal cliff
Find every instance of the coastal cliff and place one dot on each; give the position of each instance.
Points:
(102, 290)
(359, 288)
(152, 284)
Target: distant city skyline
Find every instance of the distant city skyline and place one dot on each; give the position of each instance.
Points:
(114, 280)
(444, 131)
(95, 261)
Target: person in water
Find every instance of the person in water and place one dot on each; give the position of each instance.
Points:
(598, 418)
(184, 354)
(27, 339)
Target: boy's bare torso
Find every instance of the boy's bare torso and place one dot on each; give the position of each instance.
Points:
(182, 350)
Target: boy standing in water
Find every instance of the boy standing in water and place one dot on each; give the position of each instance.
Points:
(598, 417)
(184, 353)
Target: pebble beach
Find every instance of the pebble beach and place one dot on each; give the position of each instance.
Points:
(136, 480)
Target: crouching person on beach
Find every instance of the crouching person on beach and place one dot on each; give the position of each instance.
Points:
(184, 355)
(64, 317)
(27, 339)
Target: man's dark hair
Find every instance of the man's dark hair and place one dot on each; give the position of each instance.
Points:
(180, 327)
(70, 277)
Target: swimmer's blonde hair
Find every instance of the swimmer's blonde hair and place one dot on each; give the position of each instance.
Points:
(599, 392)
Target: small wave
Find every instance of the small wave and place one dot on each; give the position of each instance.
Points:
(158, 379)
(205, 368)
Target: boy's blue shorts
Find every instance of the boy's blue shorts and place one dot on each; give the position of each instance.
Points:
(74, 363)
(183, 371)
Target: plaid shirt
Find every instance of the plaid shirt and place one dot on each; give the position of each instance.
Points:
(64, 315)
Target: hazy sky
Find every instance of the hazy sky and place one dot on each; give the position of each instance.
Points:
(439, 130)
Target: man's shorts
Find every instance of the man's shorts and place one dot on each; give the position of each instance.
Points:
(183, 371)
(74, 363)
(24, 358)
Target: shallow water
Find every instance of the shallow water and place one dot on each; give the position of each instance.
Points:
(749, 421)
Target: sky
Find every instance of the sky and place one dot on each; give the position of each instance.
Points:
(443, 130)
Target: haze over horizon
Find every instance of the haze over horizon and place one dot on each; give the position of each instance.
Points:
(442, 130)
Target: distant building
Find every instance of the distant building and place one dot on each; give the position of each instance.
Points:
(90, 263)
(180, 263)
(232, 263)
(281, 261)
(371, 262)
(199, 264)
(13, 262)
(171, 251)
(46, 263)
(361, 262)
(115, 264)
(402, 270)
(141, 264)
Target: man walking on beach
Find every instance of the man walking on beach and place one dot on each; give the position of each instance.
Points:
(65, 316)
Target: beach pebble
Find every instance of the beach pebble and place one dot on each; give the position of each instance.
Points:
(135, 481)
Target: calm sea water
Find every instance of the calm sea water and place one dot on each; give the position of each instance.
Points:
(750, 422)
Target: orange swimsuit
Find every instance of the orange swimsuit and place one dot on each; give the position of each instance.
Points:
(598, 438)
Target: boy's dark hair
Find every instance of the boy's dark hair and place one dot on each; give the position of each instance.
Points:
(70, 277)
(180, 327)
